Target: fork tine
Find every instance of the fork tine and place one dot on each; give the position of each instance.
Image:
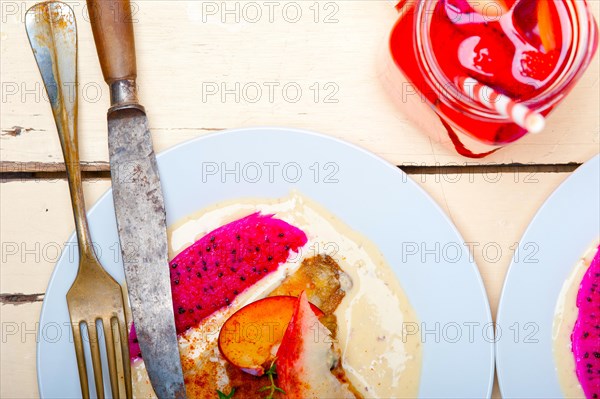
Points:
(124, 341)
(95, 349)
(111, 356)
(83, 379)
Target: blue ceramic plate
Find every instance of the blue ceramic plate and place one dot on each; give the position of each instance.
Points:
(563, 229)
(367, 193)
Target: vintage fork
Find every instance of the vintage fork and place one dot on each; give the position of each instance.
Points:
(94, 296)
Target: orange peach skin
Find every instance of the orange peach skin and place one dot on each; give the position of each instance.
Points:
(250, 337)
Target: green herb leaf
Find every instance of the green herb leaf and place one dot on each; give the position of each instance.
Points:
(272, 388)
(221, 395)
(272, 370)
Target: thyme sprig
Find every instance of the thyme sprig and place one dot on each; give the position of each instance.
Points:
(272, 388)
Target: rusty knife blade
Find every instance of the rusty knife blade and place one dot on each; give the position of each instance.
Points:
(141, 222)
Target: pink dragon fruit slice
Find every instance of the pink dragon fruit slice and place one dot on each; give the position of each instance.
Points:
(585, 339)
(210, 273)
(134, 346)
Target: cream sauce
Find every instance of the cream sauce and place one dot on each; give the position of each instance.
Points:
(565, 316)
(378, 359)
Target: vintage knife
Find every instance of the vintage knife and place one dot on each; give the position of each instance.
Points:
(138, 199)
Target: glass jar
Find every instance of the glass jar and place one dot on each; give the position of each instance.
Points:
(435, 41)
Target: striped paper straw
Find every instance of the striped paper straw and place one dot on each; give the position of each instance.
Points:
(520, 114)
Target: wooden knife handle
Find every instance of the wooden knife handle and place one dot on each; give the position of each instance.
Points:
(113, 33)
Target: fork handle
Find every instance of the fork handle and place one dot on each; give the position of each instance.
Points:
(57, 61)
(68, 142)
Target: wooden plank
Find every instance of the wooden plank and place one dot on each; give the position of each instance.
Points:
(491, 210)
(37, 221)
(18, 350)
(185, 53)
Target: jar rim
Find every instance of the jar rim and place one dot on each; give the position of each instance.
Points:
(578, 57)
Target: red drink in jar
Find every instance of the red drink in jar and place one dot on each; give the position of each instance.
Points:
(532, 51)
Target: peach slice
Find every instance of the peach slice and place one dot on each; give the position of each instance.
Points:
(250, 337)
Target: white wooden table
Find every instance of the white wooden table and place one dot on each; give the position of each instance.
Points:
(187, 50)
